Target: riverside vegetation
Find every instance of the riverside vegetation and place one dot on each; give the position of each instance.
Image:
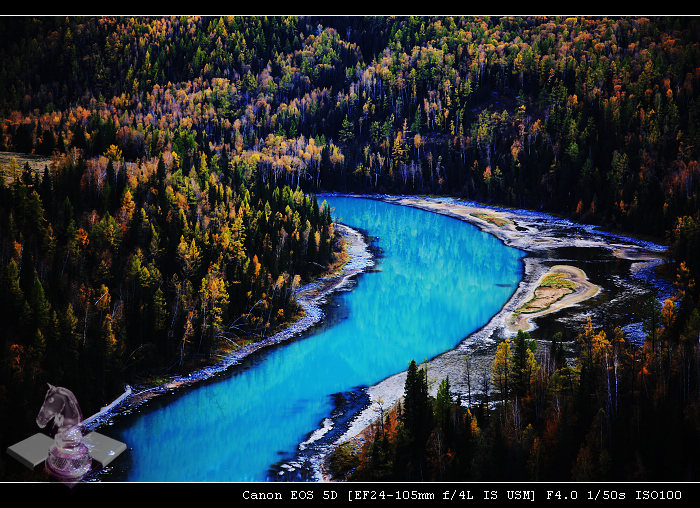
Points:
(177, 208)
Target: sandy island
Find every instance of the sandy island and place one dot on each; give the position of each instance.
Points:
(562, 286)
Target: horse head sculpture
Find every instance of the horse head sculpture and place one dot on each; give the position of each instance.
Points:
(68, 458)
(61, 405)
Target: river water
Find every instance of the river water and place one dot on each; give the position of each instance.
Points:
(437, 280)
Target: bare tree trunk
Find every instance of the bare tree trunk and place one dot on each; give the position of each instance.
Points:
(469, 380)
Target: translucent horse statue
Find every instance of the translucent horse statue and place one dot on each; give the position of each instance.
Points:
(68, 457)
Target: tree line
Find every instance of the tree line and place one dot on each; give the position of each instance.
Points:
(590, 117)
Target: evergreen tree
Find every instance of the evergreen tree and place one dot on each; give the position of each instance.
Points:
(524, 364)
(443, 404)
(417, 411)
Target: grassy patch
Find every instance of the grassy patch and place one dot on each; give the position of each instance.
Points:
(341, 256)
(157, 381)
(557, 280)
(343, 460)
(497, 221)
(554, 280)
(36, 162)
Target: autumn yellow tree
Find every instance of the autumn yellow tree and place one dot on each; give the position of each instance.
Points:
(214, 299)
(502, 367)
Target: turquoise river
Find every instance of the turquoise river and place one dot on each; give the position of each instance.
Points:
(437, 280)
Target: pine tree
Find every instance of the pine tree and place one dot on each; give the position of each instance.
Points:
(651, 319)
(39, 305)
(417, 414)
(524, 364)
(347, 131)
(443, 404)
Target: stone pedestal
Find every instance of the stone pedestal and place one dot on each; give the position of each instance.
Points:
(34, 450)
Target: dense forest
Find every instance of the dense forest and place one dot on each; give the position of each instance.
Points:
(617, 413)
(177, 211)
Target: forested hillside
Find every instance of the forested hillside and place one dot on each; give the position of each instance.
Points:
(593, 117)
(178, 209)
